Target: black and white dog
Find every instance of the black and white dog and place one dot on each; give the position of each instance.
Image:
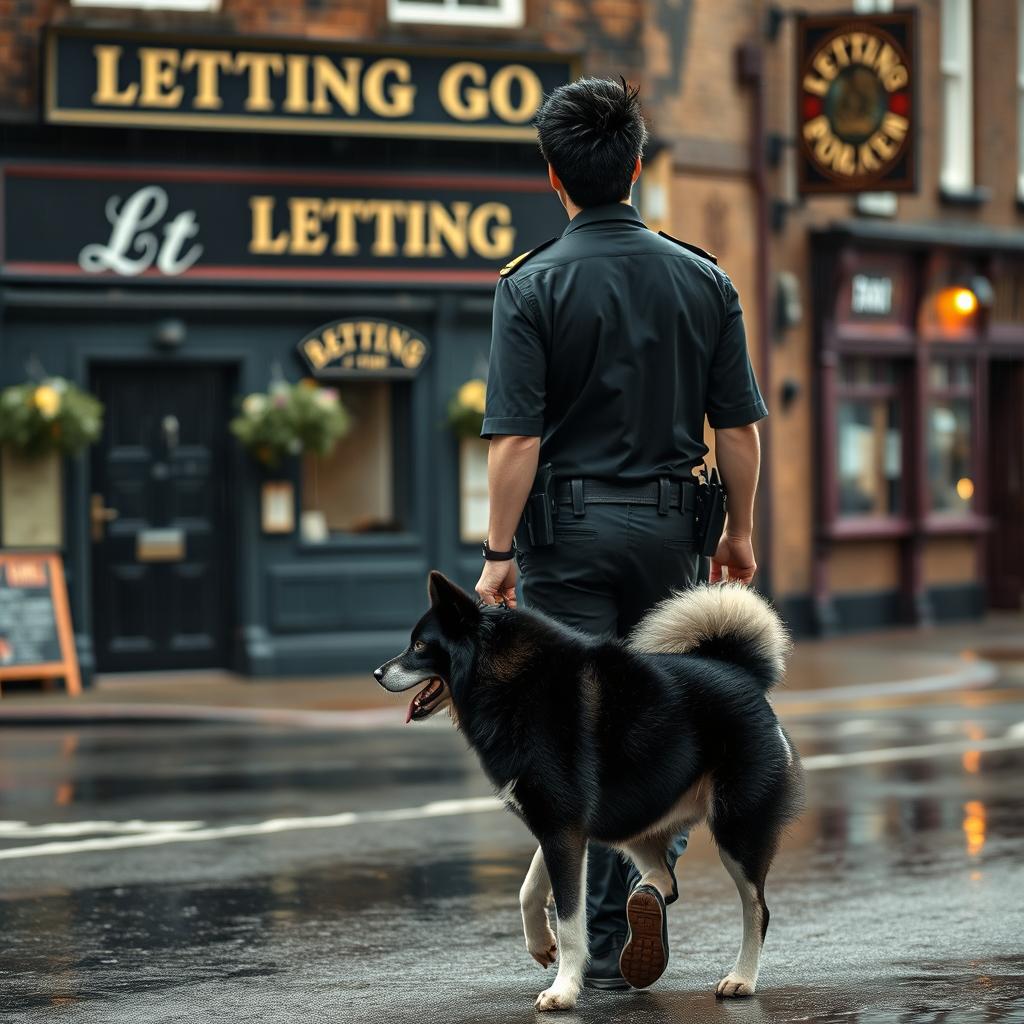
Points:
(625, 742)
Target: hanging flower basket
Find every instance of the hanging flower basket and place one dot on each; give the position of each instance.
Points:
(289, 420)
(466, 409)
(40, 418)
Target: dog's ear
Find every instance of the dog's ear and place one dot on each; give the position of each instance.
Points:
(455, 609)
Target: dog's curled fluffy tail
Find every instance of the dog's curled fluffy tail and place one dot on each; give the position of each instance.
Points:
(728, 622)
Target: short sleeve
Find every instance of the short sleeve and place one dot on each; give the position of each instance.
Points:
(517, 368)
(733, 398)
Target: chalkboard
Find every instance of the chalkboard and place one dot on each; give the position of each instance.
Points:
(36, 641)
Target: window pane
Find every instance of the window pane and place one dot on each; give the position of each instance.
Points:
(353, 487)
(951, 374)
(950, 479)
(870, 457)
(864, 371)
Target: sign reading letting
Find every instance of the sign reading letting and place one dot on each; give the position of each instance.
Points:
(109, 77)
(855, 103)
(188, 224)
(356, 347)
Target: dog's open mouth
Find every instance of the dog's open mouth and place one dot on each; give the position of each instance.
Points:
(426, 701)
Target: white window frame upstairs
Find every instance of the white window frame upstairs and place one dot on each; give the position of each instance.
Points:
(957, 173)
(153, 5)
(1020, 100)
(508, 13)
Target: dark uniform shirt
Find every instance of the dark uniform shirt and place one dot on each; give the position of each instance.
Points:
(611, 343)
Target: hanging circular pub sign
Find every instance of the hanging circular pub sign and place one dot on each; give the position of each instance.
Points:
(855, 109)
(363, 347)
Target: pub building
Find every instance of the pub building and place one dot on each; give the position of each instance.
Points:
(196, 206)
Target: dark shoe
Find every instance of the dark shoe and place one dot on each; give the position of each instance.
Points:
(603, 970)
(645, 955)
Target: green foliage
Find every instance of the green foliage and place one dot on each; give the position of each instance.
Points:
(52, 415)
(290, 419)
(466, 409)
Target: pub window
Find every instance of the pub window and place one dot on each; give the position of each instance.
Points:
(950, 436)
(869, 438)
(507, 13)
(153, 5)
(354, 490)
(957, 173)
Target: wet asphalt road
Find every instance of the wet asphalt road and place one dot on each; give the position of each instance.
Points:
(898, 896)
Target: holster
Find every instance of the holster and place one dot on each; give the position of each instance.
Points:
(711, 498)
(539, 513)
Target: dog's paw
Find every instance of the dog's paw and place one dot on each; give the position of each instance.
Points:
(556, 999)
(545, 951)
(735, 985)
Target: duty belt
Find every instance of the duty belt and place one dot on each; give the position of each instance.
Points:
(664, 493)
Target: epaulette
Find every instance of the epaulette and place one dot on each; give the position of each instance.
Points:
(514, 264)
(693, 248)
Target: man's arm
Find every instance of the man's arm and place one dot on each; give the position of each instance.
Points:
(511, 467)
(738, 456)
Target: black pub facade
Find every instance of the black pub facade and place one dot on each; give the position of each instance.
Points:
(192, 219)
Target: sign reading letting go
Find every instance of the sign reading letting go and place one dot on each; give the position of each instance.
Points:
(109, 77)
(855, 108)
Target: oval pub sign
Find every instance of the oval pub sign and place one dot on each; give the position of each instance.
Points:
(361, 347)
(855, 104)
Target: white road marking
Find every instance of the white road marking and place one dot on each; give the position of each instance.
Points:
(185, 832)
(23, 830)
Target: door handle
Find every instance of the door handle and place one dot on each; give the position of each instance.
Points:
(99, 516)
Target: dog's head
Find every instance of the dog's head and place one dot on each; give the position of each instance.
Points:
(435, 640)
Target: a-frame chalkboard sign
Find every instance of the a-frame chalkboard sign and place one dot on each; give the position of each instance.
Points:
(36, 641)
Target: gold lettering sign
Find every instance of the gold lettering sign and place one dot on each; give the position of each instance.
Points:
(417, 229)
(855, 103)
(100, 76)
(357, 347)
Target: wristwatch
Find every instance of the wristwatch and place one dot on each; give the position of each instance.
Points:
(491, 555)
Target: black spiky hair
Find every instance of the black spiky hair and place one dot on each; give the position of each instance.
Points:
(591, 131)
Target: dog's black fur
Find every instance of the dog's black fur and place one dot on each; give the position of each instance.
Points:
(593, 739)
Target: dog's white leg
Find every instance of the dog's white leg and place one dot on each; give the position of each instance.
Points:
(533, 899)
(648, 854)
(742, 979)
(571, 904)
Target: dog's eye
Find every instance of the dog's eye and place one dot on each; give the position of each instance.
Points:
(419, 645)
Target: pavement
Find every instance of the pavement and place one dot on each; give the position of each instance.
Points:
(343, 867)
(894, 662)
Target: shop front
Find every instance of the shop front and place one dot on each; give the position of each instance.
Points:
(919, 350)
(171, 290)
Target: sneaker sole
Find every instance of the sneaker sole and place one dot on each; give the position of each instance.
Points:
(644, 957)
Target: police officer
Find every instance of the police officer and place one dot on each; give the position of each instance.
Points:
(610, 345)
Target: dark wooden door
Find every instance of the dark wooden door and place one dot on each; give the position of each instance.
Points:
(1006, 542)
(159, 519)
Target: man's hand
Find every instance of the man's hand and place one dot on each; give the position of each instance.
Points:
(735, 555)
(497, 583)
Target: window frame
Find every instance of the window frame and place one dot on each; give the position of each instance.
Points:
(956, 65)
(897, 522)
(509, 13)
(406, 510)
(939, 520)
(1020, 101)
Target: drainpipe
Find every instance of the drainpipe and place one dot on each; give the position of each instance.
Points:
(750, 73)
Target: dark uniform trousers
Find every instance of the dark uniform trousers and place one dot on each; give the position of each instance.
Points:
(604, 571)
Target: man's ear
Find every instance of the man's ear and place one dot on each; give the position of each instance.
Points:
(455, 609)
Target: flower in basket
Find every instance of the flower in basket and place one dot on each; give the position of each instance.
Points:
(290, 419)
(52, 415)
(466, 408)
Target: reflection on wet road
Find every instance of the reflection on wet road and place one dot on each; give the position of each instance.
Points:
(239, 873)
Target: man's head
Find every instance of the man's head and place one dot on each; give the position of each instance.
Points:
(592, 134)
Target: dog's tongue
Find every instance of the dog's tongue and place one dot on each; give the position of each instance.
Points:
(410, 710)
